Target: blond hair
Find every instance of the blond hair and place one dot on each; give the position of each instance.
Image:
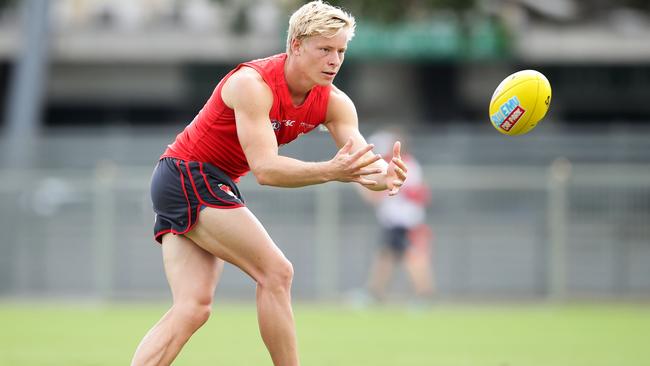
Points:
(317, 18)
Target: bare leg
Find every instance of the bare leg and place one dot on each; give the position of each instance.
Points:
(419, 270)
(417, 260)
(193, 274)
(381, 272)
(236, 236)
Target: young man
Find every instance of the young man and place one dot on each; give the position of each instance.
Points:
(201, 219)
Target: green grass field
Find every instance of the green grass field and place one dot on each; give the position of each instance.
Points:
(445, 335)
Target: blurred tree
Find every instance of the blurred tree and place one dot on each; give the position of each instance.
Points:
(421, 28)
(7, 3)
(600, 7)
(637, 4)
(240, 23)
(391, 11)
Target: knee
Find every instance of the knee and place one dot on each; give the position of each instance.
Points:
(193, 314)
(279, 276)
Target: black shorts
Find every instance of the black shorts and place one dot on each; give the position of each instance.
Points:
(180, 189)
(396, 239)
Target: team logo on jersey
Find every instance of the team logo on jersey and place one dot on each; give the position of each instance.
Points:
(226, 189)
(277, 125)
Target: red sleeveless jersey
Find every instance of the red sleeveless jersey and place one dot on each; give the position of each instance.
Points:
(212, 135)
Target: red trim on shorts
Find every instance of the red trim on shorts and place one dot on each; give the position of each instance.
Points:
(236, 205)
(201, 201)
(187, 199)
(161, 233)
(191, 224)
(207, 184)
(189, 175)
(205, 179)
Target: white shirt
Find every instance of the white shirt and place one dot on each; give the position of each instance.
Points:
(402, 210)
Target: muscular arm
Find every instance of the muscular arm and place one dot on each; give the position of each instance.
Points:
(251, 99)
(343, 125)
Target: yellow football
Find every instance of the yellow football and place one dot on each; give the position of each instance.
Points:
(519, 102)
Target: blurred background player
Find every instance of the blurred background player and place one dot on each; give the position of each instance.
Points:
(405, 236)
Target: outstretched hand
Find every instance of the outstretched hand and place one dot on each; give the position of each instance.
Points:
(396, 173)
(349, 166)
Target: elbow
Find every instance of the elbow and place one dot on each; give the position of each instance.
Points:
(263, 180)
(263, 176)
(266, 171)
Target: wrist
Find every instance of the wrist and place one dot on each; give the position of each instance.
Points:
(326, 171)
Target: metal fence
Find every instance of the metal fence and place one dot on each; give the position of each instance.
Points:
(500, 231)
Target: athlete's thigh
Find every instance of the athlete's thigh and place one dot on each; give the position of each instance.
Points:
(192, 272)
(238, 237)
